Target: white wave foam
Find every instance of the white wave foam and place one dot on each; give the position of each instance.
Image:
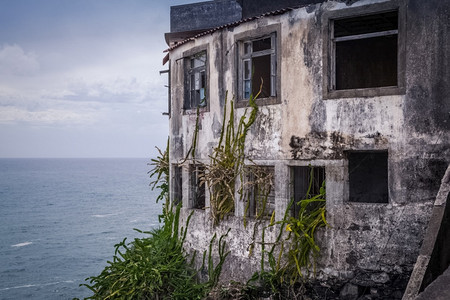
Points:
(35, 285)
(22, 244)
(104, 216)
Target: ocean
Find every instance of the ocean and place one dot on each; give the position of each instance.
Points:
(60, 220)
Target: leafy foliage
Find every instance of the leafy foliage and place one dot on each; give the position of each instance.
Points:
(150, 268)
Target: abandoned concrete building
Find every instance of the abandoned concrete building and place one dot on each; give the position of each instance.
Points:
(357, 90)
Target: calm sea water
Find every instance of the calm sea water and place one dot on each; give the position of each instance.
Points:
(60, 219)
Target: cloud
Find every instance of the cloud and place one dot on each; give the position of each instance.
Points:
(15, 61)
(11, 114)
(113, 90)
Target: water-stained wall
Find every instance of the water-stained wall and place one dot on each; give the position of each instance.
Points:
(308, 125)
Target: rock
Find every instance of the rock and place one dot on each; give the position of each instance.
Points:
(397, 295)
(374, 292)
(349, 292)
(380, 277)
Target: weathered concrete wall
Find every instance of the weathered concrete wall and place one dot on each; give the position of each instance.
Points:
(367, 243)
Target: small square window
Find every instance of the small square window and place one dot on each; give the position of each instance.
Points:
(366, 51)
(260, 191)
(368, 177)
(258, 65)
(195, 81)
(307, 182)
(197, 186)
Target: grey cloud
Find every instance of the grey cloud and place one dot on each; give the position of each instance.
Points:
(15, 61)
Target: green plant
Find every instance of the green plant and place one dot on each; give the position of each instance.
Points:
(150, 268)
(156, 267)
(160, 170)
(293, 258)
(227, 161)
(304, 251)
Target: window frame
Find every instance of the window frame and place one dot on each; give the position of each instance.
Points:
(187, 71)
(251, 192)
(329, 92)
(177, 184)
(195, 188)
(274, 32)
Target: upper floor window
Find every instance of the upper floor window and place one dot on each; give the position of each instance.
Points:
(195, 81)
(258, 62)
(365, 52)
(258, 65)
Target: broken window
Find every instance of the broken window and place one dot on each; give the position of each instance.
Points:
(307, 182)
(195, 81)
(368, 177)
(177, 185)
(197, 186)
(260, 191)
(365, 51)
(258, 66)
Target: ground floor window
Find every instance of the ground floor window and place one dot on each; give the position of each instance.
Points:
(307, 183)
(177, 185)
(260, 191)
(197, 186)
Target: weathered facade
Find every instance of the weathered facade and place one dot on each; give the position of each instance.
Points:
(358, 89)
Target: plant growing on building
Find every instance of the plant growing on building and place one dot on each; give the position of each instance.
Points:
(303, 250)
(227, 161)
(292, 258)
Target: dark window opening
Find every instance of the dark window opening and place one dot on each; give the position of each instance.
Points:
(366, 51)
(368, 177)
(197, 186)
(261, 191)
(177, 196)
(258, 63)
(195, 81)
(307, 184)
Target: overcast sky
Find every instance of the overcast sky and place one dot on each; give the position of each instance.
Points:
(80, 78)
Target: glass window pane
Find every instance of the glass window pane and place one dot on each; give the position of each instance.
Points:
(247, 69)
(192, 82)
(247, 87)
(202, 100)
(199, 60)
(197, 81)
(262, 44)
